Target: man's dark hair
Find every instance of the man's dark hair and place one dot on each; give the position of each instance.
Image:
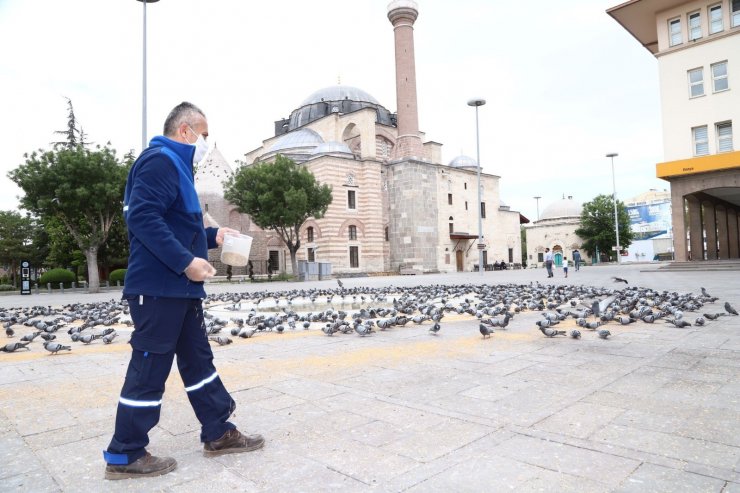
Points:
(182, 113)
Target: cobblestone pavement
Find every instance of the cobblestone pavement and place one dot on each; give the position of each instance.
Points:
(653, 408)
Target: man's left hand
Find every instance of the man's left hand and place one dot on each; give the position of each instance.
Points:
(221, 232)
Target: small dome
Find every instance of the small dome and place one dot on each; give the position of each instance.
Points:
(298, 139)
(339, 93)
(463, 162)
(565, 208)
(333, 148)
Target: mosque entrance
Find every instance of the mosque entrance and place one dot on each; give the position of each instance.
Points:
(459, 260)
(557, 255)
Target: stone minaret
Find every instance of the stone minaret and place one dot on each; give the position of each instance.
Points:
(402, 14)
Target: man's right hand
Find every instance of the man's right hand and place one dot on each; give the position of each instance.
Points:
(199, 270)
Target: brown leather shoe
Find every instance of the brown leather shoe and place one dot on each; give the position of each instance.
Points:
(144, 467)
(233, 442)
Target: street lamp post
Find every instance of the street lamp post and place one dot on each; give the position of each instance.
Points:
(538, 206)
(478, 102)
(612, 155)
(143, 80)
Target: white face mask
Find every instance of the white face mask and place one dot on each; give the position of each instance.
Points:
(201, 147)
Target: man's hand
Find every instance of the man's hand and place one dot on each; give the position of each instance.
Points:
(199, 270)
(221, 232)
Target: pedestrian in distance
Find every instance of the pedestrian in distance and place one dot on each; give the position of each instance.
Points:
(577, 259)
(168, 264)
(548, 262)
(565, 266)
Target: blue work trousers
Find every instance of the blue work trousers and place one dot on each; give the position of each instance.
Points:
(165, 328)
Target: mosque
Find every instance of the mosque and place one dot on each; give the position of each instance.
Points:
(556, 229)
(396, 206)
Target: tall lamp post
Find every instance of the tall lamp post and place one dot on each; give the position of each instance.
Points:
(143, 80)
(478, 102)
(612, 155)
(538, 206)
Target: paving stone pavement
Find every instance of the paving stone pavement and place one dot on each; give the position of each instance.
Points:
(652, 409)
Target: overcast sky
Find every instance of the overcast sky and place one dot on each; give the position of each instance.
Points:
(564, 83)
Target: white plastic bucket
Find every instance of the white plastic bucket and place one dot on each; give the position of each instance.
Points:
(235, 249)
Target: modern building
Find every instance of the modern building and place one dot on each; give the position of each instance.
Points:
(396, 206)
(650, 222)
(556, 229)
(697, 45)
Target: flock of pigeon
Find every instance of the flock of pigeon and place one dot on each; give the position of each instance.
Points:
(380, 309)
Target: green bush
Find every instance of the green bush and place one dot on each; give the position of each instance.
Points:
(55, 276)
(7, 287)
(117, 275)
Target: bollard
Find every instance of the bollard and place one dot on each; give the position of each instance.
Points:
(118, 283)
(74, 286)
(61, 287)
(48, 287)
(107, 283)
(36, 287)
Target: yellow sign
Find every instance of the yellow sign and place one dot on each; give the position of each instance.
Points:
(702, 164)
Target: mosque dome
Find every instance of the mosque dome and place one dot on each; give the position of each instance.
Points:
(565, 208)
(333, 148)
(337, 99)
(297, 145)
(464, 162)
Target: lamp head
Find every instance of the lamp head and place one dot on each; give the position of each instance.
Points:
(612, 154)
(476, 102)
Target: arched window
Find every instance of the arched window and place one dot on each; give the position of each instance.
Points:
(352, 231)
(309, 234)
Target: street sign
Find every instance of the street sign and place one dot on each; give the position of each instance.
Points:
(25, 277)
(481, 246)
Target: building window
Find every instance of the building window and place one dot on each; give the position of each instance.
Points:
(483, 210)
(354, 257)
(449, 199)
(694, 26)
(351, 203)
(309, 234)
(674, 31)
(311, 256)
(715, 19)
(724, 137)
(719, 77)
(352, 231)
(701, 142)
(540, 257)
(696, 82)
(466, 185)
(735, 15)
(466, 205)
(273, 261)
(452, 228)
(511, 255)
(387, 236)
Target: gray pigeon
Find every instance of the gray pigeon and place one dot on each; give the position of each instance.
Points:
(575, 334)
(434, 329)
(699, 321)
(55, 347)
(730, 309)
(603, 333)
(221, 340)
(362, 329)
(619, 279)
(108, 338)
(551, 332)
(14, 346)
(485, 330)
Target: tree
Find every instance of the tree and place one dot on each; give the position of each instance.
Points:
(279, 196)
(82, 189)
(597, 225)
(16, 233)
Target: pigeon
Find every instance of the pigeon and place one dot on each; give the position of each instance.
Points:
(713, 316)
(246, 333)
(699, 321)
(14, 346)
(221, 340)
(619, 279)
(704, 293)
(730, 309)
(551, 332)
(678, 322)
(434, 329)
(9, 331)
(485, 331)
(575, 334)
(341, 286)
(55, 347)
(328, 330)
(362, 329)
(603, 333)
(108, 338)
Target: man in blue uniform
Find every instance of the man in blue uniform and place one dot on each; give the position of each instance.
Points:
(168, 264)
